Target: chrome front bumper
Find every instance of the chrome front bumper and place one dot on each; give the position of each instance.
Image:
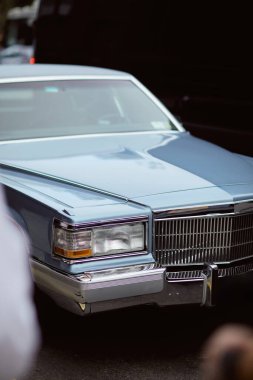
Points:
(127, 286)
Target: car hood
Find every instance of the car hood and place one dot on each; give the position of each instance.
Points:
(131, 165)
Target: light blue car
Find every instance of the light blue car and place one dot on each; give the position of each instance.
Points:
(122, 205)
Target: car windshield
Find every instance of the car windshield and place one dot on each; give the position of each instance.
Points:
(77, 107)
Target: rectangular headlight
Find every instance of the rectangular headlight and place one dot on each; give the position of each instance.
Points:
(99, 241)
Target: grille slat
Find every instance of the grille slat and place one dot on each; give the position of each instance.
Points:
(200, 239)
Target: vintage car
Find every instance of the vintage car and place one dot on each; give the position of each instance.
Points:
(122, 205)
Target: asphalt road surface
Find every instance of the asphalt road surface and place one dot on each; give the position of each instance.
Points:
(138, 343)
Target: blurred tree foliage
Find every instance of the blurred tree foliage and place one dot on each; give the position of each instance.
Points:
(5, 5)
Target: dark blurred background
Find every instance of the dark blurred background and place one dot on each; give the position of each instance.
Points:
(195, 56)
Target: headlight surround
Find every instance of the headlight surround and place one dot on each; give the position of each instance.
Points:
(99, 241)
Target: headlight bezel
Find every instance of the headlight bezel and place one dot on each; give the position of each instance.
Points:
(89, 226)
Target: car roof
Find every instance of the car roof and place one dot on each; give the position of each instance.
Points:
(54, 70)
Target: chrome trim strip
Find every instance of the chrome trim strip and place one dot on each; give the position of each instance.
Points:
(235, 207)
(99, 258)
(200, 216)
(72, 137)
(108, 222)
(45, 78)
(243, 207)
(159, 104)
(118, 273)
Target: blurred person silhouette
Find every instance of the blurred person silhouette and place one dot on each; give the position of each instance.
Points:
(228, 354)
(19, 328)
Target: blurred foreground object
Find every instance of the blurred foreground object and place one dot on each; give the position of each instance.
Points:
(19, 330)
(228, 354)
(18, 39)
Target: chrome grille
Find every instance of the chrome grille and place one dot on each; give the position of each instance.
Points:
(210, 238)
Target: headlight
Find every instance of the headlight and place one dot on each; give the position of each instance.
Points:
(99, 241)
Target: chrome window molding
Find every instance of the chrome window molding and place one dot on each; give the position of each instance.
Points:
(91, 135)
(44, 78)
(159, 104)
